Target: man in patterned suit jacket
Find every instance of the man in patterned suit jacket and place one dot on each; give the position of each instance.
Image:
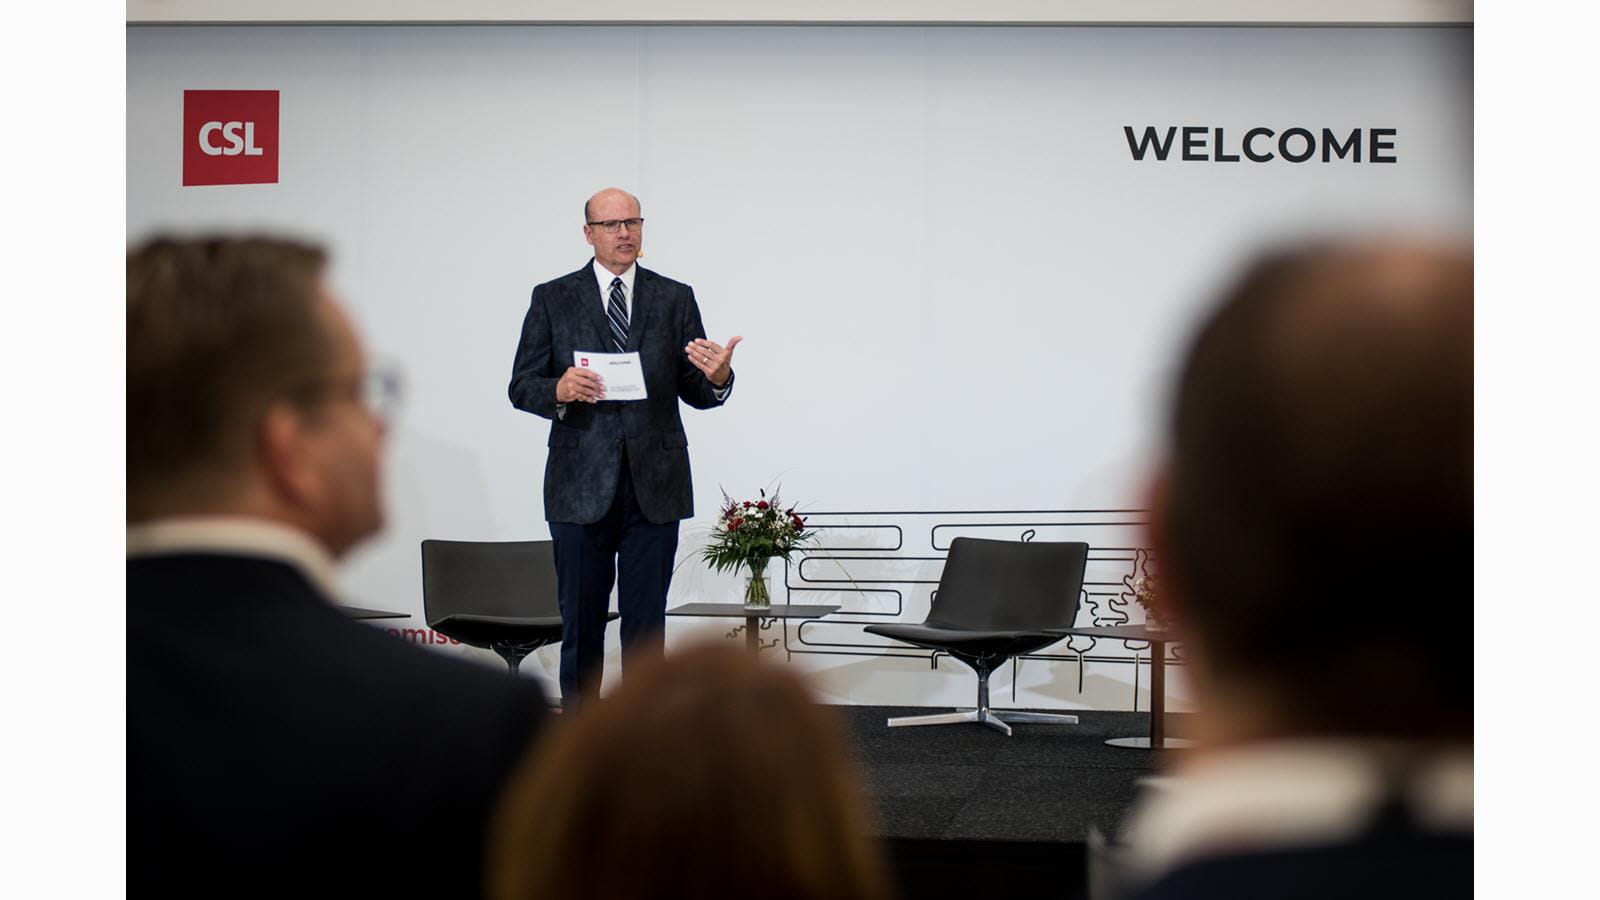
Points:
(616, 480)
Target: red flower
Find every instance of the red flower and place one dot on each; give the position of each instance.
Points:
(735, 523)
(761, 505)
(747, 504)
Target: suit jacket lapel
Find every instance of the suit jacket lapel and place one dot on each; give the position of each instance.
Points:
(588, 291)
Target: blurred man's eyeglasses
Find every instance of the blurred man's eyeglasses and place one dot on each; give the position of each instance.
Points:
(383, 391)
(379, 390)
(612, 226)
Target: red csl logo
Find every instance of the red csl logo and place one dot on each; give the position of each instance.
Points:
(583, 361)
(230, 137)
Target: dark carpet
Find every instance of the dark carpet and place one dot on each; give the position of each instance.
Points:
(964, 809)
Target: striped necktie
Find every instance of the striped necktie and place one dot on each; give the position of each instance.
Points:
(617, 312)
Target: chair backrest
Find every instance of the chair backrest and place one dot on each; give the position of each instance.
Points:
(1009, 585)
(488, 578)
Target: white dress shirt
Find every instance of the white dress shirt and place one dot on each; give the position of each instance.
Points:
(604, 277)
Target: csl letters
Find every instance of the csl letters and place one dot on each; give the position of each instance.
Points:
(236, 144)
(1200, 143)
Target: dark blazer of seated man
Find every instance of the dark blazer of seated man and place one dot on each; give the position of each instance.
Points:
(1314, 529)
(274, 745)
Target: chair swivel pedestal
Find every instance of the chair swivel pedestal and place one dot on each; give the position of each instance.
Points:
(512, 638)
(515, 652)
(982, 712)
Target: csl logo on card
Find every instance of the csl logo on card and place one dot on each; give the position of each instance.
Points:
(583, 361)
(230, 137)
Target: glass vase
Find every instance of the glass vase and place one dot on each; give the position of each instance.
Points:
(757, 589)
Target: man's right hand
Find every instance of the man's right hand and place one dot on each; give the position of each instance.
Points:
(580, 385)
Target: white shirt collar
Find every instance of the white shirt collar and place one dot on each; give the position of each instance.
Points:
(237, 536)
(1286, 793)
(604, 276)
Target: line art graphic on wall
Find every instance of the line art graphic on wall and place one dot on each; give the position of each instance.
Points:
(884, 566)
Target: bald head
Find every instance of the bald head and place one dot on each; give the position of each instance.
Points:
(608, 198)
(1317, 525)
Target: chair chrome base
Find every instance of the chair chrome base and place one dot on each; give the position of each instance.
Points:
(988, 717)
(997, 721)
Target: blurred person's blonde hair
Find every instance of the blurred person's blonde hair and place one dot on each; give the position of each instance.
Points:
(707, 773)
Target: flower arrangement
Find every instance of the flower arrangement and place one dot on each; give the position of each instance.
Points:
(749, 534)
(1144, 593)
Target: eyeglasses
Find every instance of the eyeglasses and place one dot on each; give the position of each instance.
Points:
(612, 226)
(383, 391)
(379, 390)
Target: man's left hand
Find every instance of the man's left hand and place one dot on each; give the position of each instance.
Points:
(714, 360)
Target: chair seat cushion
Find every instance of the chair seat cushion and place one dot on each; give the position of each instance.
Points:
(965, 642)
(505, 621)
(485, 631)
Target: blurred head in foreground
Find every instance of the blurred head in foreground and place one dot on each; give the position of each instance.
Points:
(245, 390)
(706, 774)
(1314, 521)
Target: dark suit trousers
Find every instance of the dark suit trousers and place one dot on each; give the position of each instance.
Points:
(623, 549)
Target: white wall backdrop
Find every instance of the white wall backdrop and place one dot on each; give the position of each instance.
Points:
(959, 292)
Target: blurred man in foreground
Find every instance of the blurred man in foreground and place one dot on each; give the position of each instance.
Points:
(1314, 528)
(275, 745)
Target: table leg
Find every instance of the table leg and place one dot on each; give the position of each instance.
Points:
(1158, 694)
(1158, 739)
(752, 633)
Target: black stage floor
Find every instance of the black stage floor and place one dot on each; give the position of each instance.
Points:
(965, 810)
